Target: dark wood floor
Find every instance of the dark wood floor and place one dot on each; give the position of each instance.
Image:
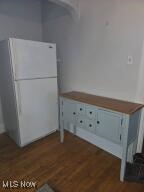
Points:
(75, 166)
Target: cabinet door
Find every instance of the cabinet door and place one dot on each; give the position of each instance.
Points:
(69, 110)
(109, 125)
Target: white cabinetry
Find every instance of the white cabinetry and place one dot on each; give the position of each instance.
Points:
(110, 124)
(104, 123)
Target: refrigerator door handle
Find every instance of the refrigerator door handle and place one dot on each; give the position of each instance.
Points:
(19, 98)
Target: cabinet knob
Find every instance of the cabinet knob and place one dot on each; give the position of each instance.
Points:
(81, 121)
(90, 125)
(90, 112)
(74, 113)
(98, 122)
(80, 109)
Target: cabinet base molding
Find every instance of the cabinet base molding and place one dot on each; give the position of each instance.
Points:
(100, 142)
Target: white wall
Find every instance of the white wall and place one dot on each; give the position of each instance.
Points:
(21, 19)
(94, 50)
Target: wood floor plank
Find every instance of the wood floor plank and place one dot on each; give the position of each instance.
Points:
(75, 166)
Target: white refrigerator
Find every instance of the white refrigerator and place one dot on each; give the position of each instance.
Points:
(28, 87)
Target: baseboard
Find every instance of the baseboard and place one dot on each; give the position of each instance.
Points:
(2, 128)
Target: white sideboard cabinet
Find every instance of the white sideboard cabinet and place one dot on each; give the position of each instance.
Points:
(108, 123)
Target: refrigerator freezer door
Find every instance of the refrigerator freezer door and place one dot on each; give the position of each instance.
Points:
(37, 107)
(31, 59)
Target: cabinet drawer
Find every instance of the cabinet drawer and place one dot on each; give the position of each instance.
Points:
(81, 122)
(91, 112)
(80, 109)
(90, 126)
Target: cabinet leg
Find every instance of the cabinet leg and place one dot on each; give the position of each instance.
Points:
(123, 166)
(62, 132)
(62, 135)
(124, 149)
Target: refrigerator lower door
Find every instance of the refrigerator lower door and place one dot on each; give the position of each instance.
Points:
(37, 102)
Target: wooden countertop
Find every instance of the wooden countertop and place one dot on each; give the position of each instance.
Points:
(105, 102)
